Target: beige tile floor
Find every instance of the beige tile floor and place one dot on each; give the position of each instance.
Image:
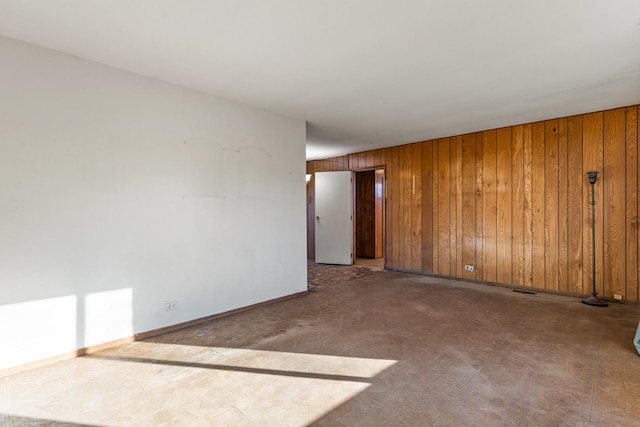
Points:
(366, 349)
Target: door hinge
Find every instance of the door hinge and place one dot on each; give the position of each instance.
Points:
(351, 217)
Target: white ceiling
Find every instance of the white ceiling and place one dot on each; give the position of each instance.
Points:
(363, 73)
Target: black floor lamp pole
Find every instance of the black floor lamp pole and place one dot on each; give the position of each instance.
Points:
(593, 299)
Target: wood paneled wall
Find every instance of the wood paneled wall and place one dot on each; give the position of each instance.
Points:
(515, 203)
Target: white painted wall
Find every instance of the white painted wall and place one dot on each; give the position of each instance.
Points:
(119, 193)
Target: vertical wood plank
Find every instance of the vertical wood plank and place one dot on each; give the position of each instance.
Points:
(336, 164)
(563, 187)
(427, 207)
(383, 165)
(538, 205)
(458, 199)
(398, 202)
(416, 207)
(551, 204)
(517, 211)
(614, 209)
(389, 208)
(383, 204)
(631, 140)
(527, 153)
(504, 176)
(385, 160)
(444, 211)
(377, 156)
(453, 211)
(489, 207)
(574, 204)
(353, 161)
(436, 207)
(406, 208)
(592, 131)
(479, 207)
(330, 164)
(397, 208)
(370, 162)
(468, 204)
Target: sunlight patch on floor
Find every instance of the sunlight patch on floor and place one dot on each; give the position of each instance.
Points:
(147, 383)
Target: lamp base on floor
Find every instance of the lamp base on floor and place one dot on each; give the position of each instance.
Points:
(595, 301)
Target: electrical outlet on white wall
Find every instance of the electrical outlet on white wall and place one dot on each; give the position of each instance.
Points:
(170, 306)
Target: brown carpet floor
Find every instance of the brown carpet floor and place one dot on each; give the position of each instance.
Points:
(368, 348)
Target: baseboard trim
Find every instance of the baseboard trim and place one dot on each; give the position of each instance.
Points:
(141, 336)
(516, 287)
(178, 326)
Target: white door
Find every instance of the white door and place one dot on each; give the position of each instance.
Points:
(334, 217)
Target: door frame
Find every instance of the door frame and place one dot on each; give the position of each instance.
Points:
(384, 210)
(310, 198)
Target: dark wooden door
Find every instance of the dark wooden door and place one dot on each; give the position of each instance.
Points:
(365, 215)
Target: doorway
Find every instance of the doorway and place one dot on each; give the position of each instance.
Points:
(369, 218)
